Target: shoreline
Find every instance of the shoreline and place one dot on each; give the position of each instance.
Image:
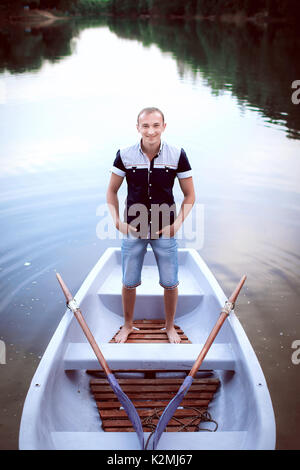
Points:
(42, 18)
(32, 18)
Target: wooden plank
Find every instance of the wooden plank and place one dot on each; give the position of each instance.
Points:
(109, 405)
(146, 336)
(149, 388)
(100, 374)
(153, 331)
(156, 335)
(145, 394)
(136, 396)
(121, 423)
(179, 413)
(163, 380)
(184, 341)
(153, 320)
(192, 393)
(148, 428)
(124, 423)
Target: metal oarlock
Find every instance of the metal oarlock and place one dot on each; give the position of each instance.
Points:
(72, 305)
(228, 307)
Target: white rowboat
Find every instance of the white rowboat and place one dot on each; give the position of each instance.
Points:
(60, 411)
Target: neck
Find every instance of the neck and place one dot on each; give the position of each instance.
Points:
(150, 150)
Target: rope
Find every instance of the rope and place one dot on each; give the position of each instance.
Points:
(202, 415)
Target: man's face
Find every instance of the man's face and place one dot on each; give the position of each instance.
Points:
(151, 126)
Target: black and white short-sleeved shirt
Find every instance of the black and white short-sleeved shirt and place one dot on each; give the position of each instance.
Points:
(151, 183)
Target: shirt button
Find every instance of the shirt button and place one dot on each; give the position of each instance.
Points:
(150, 197)
(150, 184)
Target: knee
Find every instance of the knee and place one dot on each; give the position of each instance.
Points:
(130, 288)
(170, 289)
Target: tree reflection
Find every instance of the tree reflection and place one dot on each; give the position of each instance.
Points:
(256, 64)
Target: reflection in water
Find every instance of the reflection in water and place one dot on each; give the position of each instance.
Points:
(257, 64)
(25, 49)
(72, 96)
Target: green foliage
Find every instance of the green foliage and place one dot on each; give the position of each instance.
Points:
(288, 9)
(257, 65)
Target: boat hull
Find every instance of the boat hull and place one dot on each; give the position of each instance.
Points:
(59, 410)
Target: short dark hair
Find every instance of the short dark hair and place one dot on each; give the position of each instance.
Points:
(151, 110)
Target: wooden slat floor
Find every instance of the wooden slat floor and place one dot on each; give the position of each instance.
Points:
(151, 331)
(150, 395)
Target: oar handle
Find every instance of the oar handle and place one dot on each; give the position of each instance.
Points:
(65, 290)
(229, 305)
(71, 304)
(237, 290)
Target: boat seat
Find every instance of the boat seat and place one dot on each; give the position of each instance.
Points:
(223, 440)
(149, 356)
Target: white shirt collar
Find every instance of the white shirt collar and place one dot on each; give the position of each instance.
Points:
(160, 148)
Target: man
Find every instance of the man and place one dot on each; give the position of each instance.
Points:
(150, 168)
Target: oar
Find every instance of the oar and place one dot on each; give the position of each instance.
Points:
(175, 402)
(122, 397)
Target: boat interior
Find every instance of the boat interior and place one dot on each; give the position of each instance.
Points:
(221, 409)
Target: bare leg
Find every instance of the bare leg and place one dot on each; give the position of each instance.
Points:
(128, 299)
(170, 299)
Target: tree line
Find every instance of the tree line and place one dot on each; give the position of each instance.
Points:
(257, 65)
(282, 9)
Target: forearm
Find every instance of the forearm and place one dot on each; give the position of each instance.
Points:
(185, 209)
(113, 205)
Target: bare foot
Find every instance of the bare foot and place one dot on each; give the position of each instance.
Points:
(172, 335)
(122, 336)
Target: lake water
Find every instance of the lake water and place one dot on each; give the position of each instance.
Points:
(69, 98)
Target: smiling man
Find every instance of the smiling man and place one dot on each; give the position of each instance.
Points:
(150, 168)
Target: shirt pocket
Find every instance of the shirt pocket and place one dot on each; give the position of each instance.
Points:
(136, 177)
(169, 174)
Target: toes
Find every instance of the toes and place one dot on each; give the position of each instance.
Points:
(173, 337)
(122, 336)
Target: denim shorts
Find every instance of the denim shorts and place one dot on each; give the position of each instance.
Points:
(165, 252)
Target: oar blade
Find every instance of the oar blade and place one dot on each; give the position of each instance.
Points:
(123, 398)
(128, 407)
(170, 410)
